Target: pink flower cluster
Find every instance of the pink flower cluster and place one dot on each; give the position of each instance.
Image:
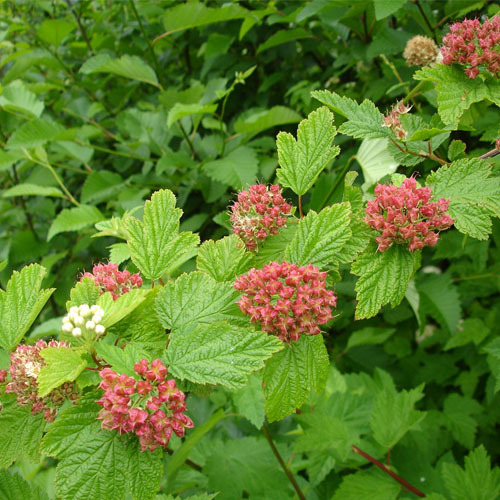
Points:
(286, 300)
(3, 376)
(473, 44)
(405, 215)
(392, 120)
(25, 366)
(110, 279)
(259, 212)
(151, 408)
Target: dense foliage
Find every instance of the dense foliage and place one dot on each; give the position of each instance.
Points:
(249, 250)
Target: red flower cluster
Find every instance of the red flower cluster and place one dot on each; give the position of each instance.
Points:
(259, 212)
(152, 407)
(25, 365)
(286, 300)
(405, 215)
(392, 120)
(110, 279)
(473, 44)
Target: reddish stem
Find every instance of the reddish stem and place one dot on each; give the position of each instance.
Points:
(380, 465)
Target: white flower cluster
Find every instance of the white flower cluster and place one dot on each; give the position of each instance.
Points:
(83, 317)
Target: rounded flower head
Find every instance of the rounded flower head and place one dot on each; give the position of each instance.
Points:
(110, 279)
(286, 300)
(26, 363)
(259, 212)
(84, 322)
(420, 51)
(405, 215)
(474, 46)
(152, 407)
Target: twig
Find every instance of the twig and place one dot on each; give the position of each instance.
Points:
(490, 154)
(428, 156)
(381, 466)
(81, 27)
(189, 143)
(426, 19)
(282, 463)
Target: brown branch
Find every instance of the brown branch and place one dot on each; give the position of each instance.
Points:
(490, 154)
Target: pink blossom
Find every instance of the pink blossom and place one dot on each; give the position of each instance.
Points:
(110, 279)
(393, 121)
(286, 300)
(405, 215)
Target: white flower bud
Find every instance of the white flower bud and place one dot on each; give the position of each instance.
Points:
(76, 332)
(84, 310)
(94, 309)
(73, 310)
(67, 327)
(99, 329)
(78, 321)
(90, 325)
(97, 318)
(66, 320)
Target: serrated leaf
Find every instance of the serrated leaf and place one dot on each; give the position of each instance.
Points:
(477, 481)
(223, 260)
(393, 414)
(458, 410)
(321, 236)
(20, 433)
(292, 373)
(456, 91)
(469, 330)
(375, 159)
(84, 292)
(237, 169)
(155, 243)
(473, 193)
(61, 365)
(16, 97)
(53, 31)
(20, 304)
(363, 120)
(383, 278)
(34, 133)
(439, 297)
(180, 110)
(194, 299)
(249, 400)
(357, 243)
(119, 253)
(116, 310)
(74, 219)
(14, 487)
(274, 246)
(32, 190)
(256, 122)
(283, 36)
(132, 67)
(121, 360)
(384, 8)
(302, 160)
(219, 353)
(367, 486)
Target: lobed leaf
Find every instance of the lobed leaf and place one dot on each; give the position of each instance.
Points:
(74, 219)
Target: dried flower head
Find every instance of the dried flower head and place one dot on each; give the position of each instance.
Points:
(110, 279)
(152, 407)
(420, 51)
(25, 366)
(405, 215)
(474, 45)
(393, 120)
(286, 300)
(259, 212)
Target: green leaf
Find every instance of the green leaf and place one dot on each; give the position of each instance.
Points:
(14, 487)
(393, 414)
(180, 110)
(256, 122)
(283, 36)
(155, 243)
(74, 219)
(219, 353)
(302, 160)
(384, 8)
(20, 433)
(439, 297)
(132, 67)
(53, 31)
(84, 292)
(321, 236)
(457, 92)
(121, 360)
(34, 133)
(237, 169)
(32, 190)
(376, 161)
(273, 248)
(369, 336)
(195, 299)
(469, 330)
(249, 400)
(292, 373)
(62, 365)
(16, 97)
(477, 481)
(194, 14)
(473, 193)
(119, 253)
(360, 238)
(20, 304)
(383, 278)
(367, 485)
(458, 410)
(116, 310)
(363, 120)
(224, 259)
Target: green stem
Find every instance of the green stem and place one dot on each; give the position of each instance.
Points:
(81, 27)
(398, 77)
(412, 93)
(110, 151)
(188, 141)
